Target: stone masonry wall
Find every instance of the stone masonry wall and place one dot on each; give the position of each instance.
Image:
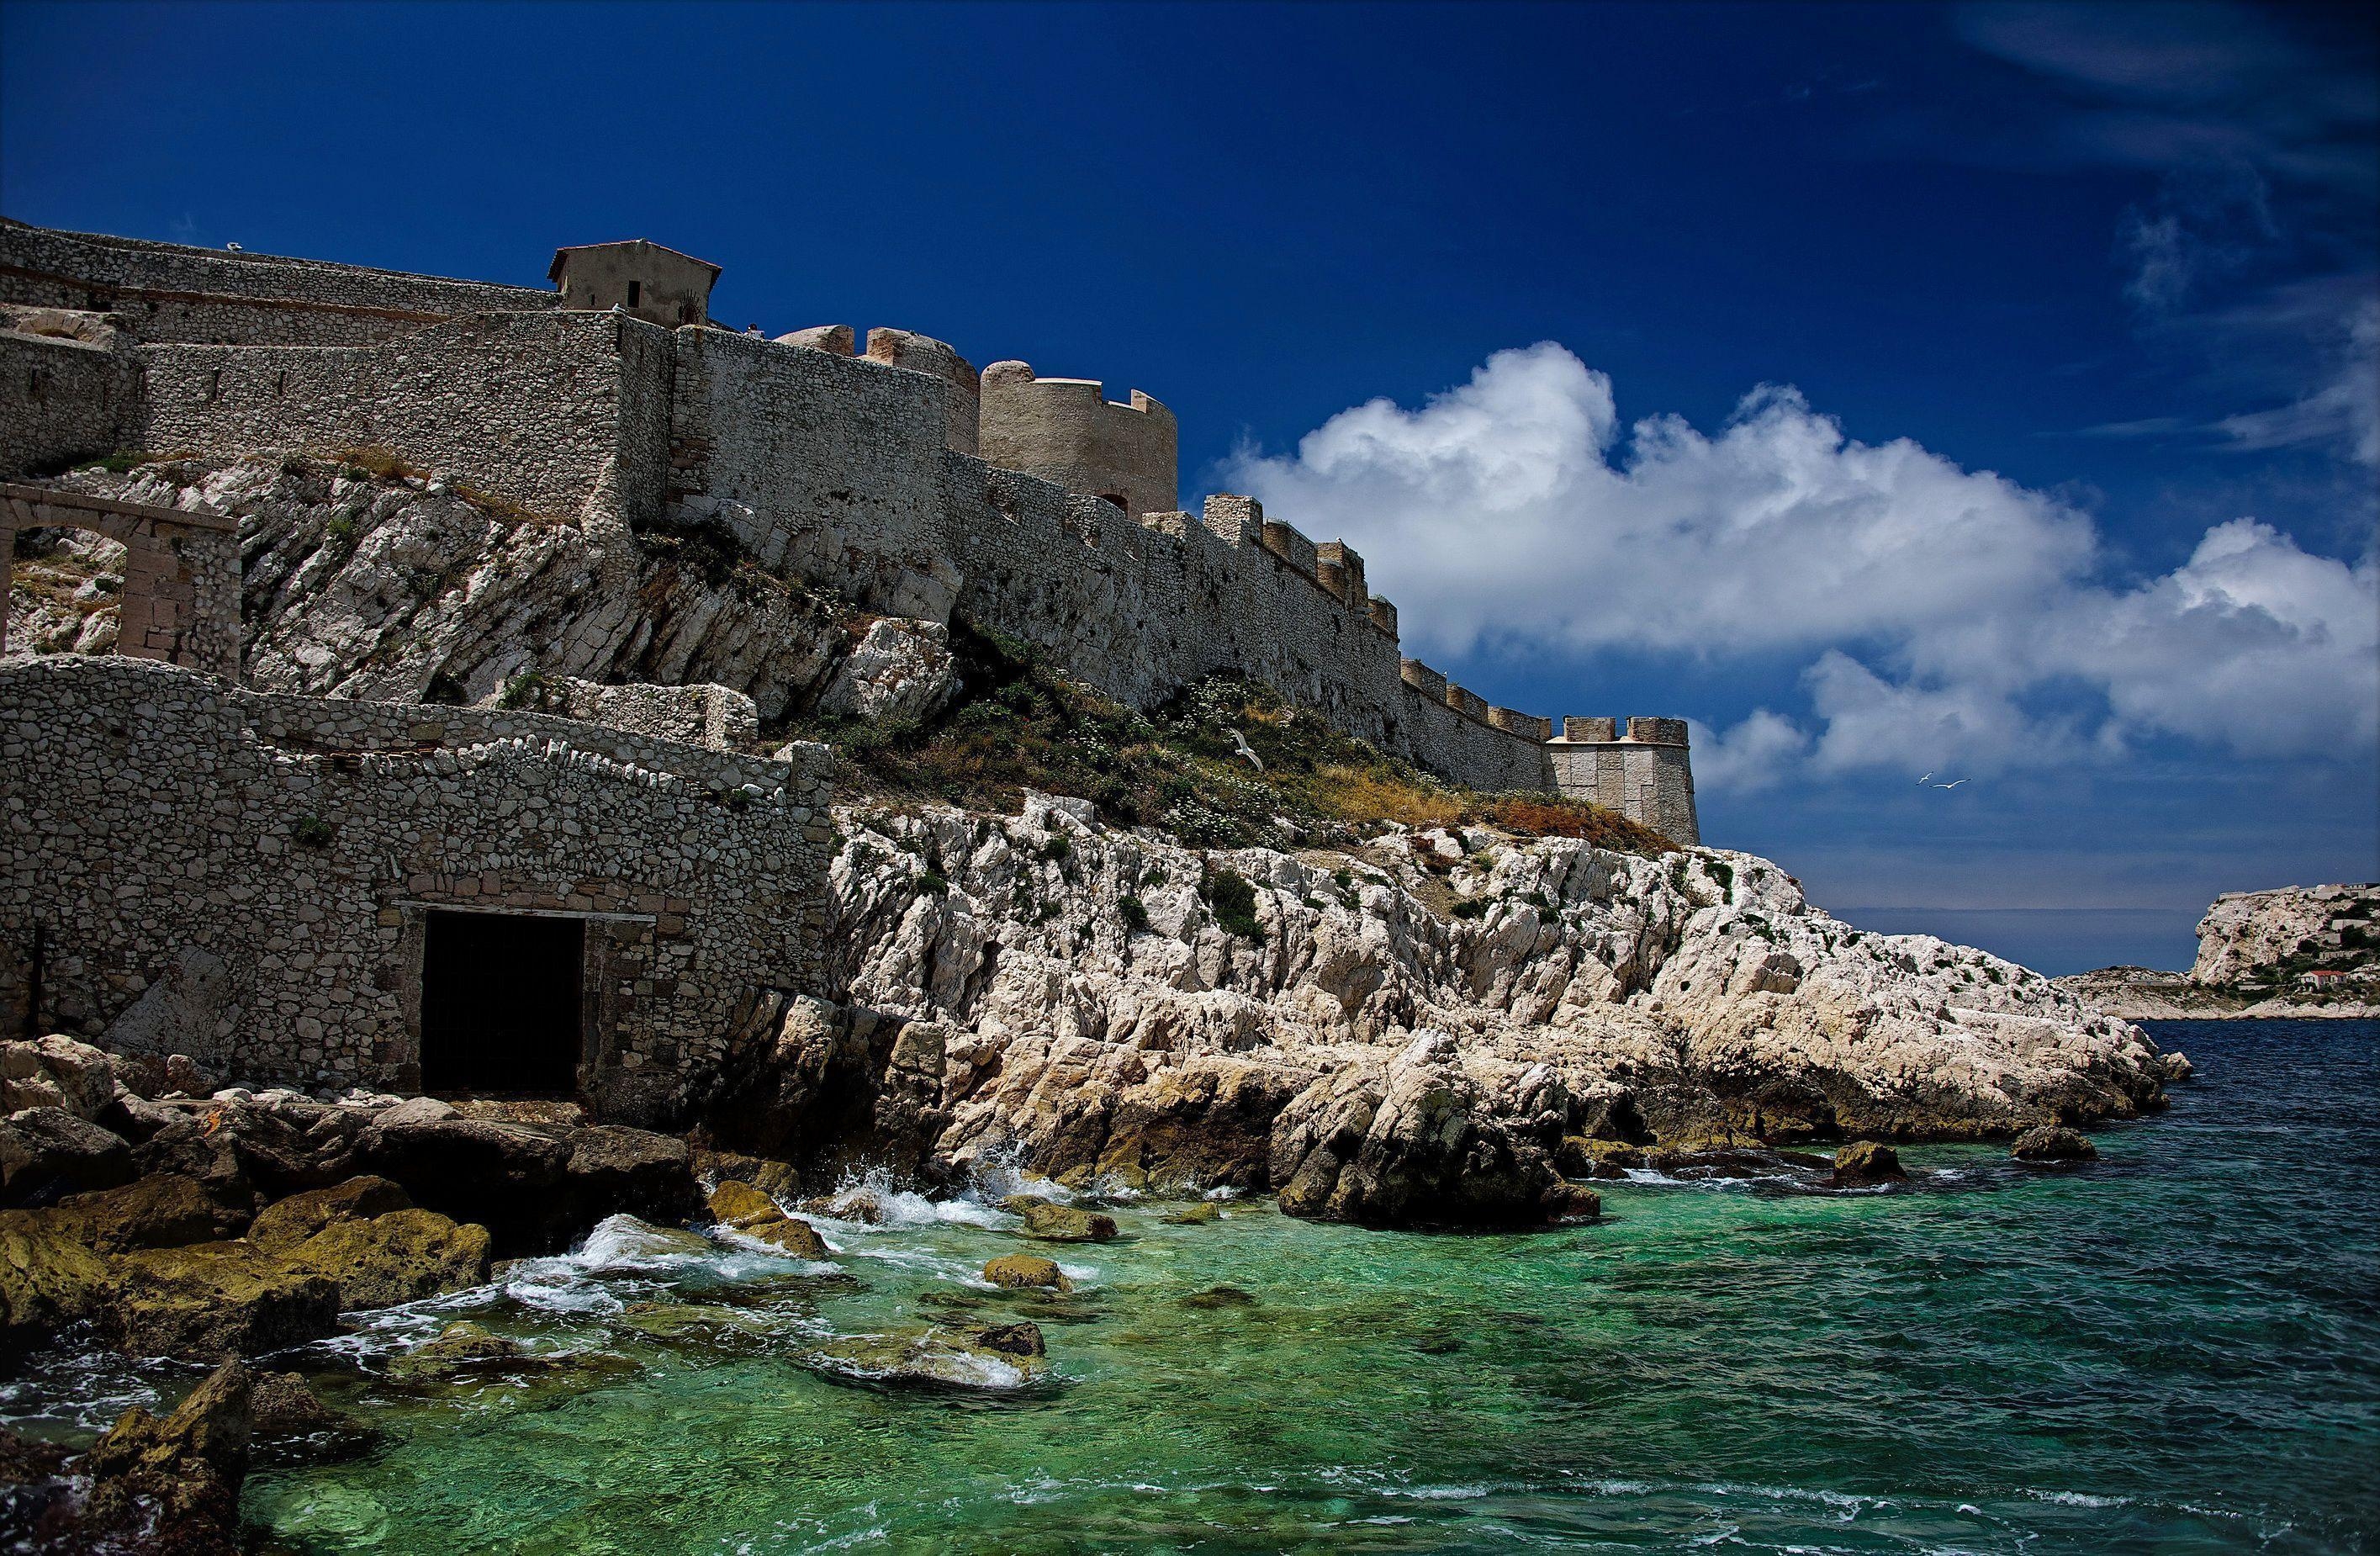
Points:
(172, 292)
(544, 409)
(60, 401)
(259, 869)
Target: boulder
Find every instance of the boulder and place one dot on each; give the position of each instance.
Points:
(2051, 1142)
(283, 1225)
(617, 1170)
(172, 1486)
(400, 1256)
(789, 1235)
(1027, 1272)
(507, 1177)
(48, 1278)
(1865, 1163)
(1059, 1223)
(734, 1204)
(55, 1072)
(47, 1153)
(902, 669)
(860, 1205)
(768, 1175)
(213, 1301)
(163, 1211)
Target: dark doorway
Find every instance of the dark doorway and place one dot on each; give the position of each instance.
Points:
(500, 1002)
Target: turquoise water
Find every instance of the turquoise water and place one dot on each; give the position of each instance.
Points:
(2175, 1350)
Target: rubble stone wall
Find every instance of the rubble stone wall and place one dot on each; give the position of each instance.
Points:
(60, 401)
(166, 833)
(542, 409)
(174, 292)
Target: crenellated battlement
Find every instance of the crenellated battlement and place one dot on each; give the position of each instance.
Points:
(884, 468)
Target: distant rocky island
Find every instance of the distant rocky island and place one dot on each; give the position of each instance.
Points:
(2293, 951)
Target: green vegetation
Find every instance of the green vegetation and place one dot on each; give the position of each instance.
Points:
(311, 832)
(1227, 892)
(1135, 913)
(1019, 724)
(524, 690)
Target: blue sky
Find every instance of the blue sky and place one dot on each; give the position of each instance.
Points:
(1986, 391)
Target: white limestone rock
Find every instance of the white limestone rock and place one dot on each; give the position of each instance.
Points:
(1691, 996)
(902, 669)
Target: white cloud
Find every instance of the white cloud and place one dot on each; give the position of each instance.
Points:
(2343, 410)
(1942, 609)
(1755, 754)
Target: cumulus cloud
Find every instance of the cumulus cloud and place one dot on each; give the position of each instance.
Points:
(1941, 613)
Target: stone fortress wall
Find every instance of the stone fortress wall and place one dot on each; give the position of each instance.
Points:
(898, 476)
(248, 876)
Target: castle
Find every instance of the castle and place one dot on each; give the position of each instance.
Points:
(616, 896)
(897, 475)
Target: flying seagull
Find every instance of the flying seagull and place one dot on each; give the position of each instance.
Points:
(1922, 780)
(1241, 742)
(1954, 783)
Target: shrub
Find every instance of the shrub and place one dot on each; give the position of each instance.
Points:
(1135, 913)
(1470, 907)
(1058, 850)
(311, 832)
(1722, 872)
(524, 690)
(927, 884)
(1233, 900)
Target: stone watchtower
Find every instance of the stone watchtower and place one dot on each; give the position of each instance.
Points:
(1065, 431)
(658, 284)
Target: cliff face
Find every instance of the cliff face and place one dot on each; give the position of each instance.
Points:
(1429, 996)
(2268, 937)
(402, 589)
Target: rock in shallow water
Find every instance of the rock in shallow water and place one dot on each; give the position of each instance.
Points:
(1863, 1162)
(2054, 1143)
(1049, 1222)
(1026, 1271)
(992, 1358)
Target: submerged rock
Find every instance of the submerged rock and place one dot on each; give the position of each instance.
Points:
(1865, 1163)
(989, 1358)
(292, 1426)
(2051, 1142)
(1026, 1271)
(1200, 1215)
(1219, 1296)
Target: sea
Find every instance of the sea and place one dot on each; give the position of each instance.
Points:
(2174, 1349)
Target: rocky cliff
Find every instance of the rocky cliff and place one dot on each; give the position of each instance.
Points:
(2256, 951)
(1432, 1026)
(398, 586)
(2270, 937)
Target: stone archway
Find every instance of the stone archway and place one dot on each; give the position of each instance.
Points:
(181, 572)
